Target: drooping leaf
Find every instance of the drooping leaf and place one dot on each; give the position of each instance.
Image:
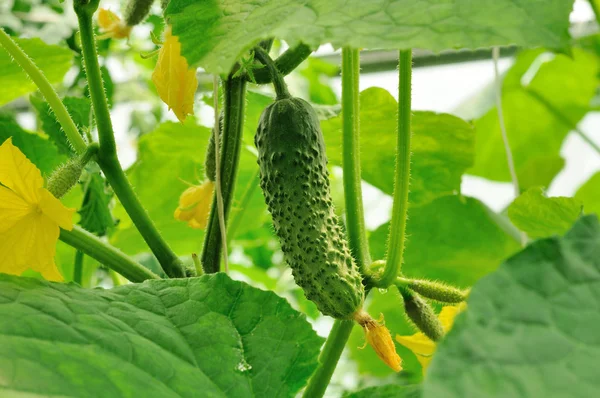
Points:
(170, 338)
(530, 329)
(442, 147)
(543, 98)
(540, 216)
(95, 209)
(589, 194)
(79, 109)
(214, 34)
(53, 60)
(453, 239)
(40, 151)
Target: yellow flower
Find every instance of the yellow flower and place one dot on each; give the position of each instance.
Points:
(421, 345)
(175, 82)
(194, 204)
(30, 217)
(111, 25)
(379, 337)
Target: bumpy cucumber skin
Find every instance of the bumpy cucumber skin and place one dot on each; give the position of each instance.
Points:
(295, 182)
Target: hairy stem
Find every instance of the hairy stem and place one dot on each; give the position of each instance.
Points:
(397, 234)
(355, 219)
(276, 77)
(233, 122)
(37, 76)
(328, 359)
(285, 63)
(78, 266)
(107, 255)
(107, 155)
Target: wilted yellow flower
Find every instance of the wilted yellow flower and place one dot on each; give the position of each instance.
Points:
(194, 204)
(379, 337)
(111, 25)
(421, 345)
(30, 217)
(175, 82)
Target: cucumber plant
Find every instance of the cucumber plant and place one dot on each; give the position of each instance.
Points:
(207, 219)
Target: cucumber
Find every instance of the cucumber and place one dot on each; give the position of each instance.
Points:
(295, 183)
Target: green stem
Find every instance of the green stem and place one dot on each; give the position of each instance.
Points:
(78, 267)
(285, 63)
(355, 219)
(106, 255)
(563, 119)
(280, 87)
(37, 76)
(107, 155)
(231, 144)
(238, 215)
(397, 235)
(334, 346)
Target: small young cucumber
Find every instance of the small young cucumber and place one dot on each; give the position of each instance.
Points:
(295, 182)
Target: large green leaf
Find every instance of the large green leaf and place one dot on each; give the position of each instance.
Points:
(543, 98)
(54, 61)
(455, 239)
(214, 34)
(442, 147)
(539, 216)
(531, 327)
(39, 151)
(208, 336)
(168, 159)
(589, 194)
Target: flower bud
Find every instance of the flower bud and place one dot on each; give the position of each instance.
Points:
(379, 337)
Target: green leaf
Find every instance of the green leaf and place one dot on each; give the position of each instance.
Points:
(442, 147)
(530, 329)
(95, 209)
(54, 61)
(38, 150)
(79, 109)
(589, 194)
(453, 239)
(168, 338)
(169, 158)
(535, 130)
(387, 391)
(540, 216)
(316, 72)
(214, 34)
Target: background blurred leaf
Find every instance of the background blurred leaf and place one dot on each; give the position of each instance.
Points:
(442, 147)
(54, 61)
(215, 34)
(589, 194)
(80, 111)
(535, 132)
(539, 340)
(387, 391)
(233, 340)
(95, 209)
(540, 216)
(455, 239)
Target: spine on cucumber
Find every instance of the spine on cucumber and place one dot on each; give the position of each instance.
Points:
(295, 182)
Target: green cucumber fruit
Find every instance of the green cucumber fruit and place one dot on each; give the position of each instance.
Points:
(295, 182)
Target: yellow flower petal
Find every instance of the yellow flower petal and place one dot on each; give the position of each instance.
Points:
(379, 337)
(175, 82)
(194, 204)
(55, 210)
(111, 25)
(30, 243)
(12, 209)
(18, 174)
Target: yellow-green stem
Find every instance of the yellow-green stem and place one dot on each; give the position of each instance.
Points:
(37, 76)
